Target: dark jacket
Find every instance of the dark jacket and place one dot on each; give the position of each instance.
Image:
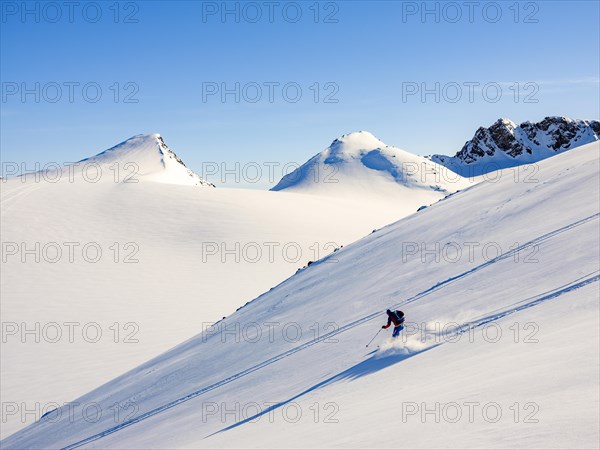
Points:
(394, 318)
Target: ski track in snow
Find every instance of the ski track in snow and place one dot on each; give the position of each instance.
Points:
(9, 200)
(524, 304)
(392, 348)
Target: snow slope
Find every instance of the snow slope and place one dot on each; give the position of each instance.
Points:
(185, 254)
(360, 165)
(504, 144)
(510, 268)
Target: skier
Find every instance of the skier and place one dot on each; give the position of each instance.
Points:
(397, 317)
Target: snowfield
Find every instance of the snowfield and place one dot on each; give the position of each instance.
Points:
(499, 284)
(129, 253)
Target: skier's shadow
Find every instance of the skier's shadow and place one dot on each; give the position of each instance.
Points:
(364, 368)
(374, 364)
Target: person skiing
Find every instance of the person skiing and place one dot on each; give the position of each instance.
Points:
(397, 318)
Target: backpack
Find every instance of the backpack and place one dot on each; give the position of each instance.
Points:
(400, 316)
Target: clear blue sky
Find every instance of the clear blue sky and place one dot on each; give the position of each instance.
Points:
(365, 50)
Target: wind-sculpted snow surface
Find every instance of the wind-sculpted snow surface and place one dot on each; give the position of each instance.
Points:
(499, 284)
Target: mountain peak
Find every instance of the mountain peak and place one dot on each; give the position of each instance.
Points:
(147, 157)
(145, 136)
(505, 122)
(355, 141)
(504, 144)
(359, 165)
(357, 137)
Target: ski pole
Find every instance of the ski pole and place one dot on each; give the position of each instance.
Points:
(376, 334)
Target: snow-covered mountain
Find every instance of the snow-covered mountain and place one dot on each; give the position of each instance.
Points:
(504, 144)
(147, 157)
(144, 157)
(500, 349)
(360, 165)
(146, 246)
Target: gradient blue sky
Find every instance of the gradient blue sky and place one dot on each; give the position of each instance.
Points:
(368, 53)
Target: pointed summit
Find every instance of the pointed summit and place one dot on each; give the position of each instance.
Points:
(147, 157)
